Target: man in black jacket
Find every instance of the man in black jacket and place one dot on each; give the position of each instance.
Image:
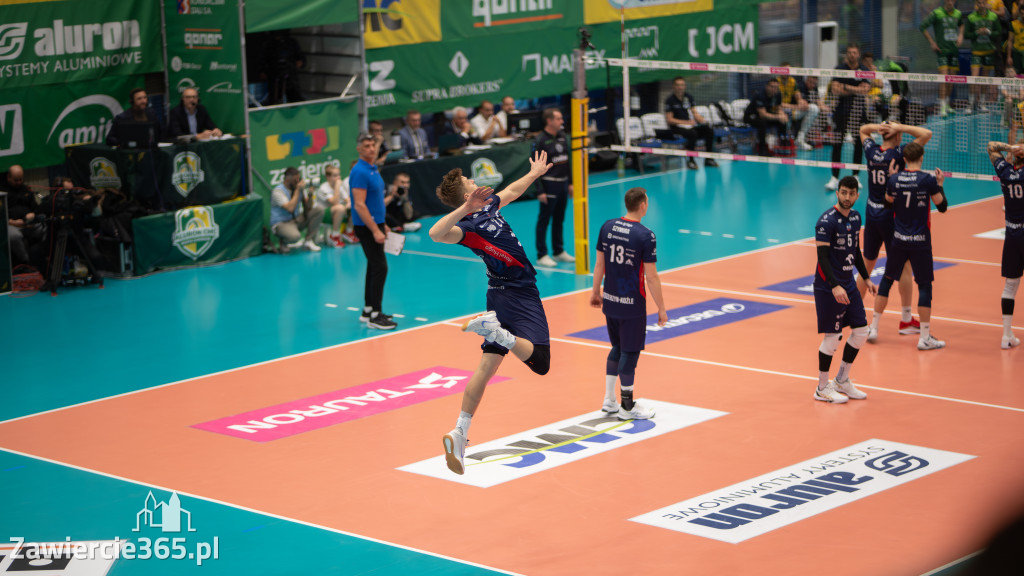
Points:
(138, 113)
(191, 118)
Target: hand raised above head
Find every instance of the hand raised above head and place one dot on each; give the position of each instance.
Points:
(539, 163)
(478, 198)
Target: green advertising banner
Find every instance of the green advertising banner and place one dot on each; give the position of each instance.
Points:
(204, 51)
(485, 18)
(308, 136)
(436, 76)
(77, 40)
(36, 125)
(263, 15)
(198, 235)
(198, 173)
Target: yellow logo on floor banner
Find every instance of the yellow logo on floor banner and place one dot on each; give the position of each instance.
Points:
(398, 22)
(601, 11)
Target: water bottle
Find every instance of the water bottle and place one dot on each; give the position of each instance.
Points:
(620, 166)
(396, 140)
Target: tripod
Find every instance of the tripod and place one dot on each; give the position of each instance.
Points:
(60, 243)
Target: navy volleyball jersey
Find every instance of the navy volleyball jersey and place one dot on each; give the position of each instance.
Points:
(490, 237)
(878, 159)
(912, 206)
(1012, 181)
(842, 234)
(626, 245)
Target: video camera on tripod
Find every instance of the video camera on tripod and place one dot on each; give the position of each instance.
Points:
(69, 208)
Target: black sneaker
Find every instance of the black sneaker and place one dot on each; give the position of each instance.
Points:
(691, 164)
(381, 322)
(710, 163)
(364, 317)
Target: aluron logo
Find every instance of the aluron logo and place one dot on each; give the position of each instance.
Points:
(194, 231)
(12, 40)
(81, 38)
(89, 133)
(12, 134)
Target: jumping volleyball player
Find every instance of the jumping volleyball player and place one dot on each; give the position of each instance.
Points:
(515, 319)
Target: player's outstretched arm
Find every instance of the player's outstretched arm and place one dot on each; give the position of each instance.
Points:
(538, 167)
(445, 231)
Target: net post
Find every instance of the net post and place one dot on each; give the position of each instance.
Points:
(580, 144)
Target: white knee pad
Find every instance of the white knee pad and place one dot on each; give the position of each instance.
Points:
(858, 336)
(829, 344)
(1010, 288)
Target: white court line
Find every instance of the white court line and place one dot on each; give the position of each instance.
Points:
(811, 301)
(343, 344)
(860, 384)
(953, 563)
(962, 261)
(255, 511)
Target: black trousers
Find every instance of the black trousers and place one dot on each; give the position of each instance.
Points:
(376, 266)
(697, 132)
(762, 125)
(553, 212)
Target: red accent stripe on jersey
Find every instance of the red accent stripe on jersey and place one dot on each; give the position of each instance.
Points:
(643, 284)
(474, 240)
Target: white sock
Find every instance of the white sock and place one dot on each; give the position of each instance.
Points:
(503, 337)
(1007, 326)
(609, 386)
(907, 316)
(844, 371)
(822, 380)
(462, 424)
(367, 309)
(875, 320)
(926, 330)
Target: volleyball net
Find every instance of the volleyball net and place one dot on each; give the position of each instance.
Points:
(964, 114)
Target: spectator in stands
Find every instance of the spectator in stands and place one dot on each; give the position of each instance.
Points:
(292, 211)
(283, 58)
(26, 228)
(983, 30)
(383, 149)
(332, 196)
(948, 24)
(190, 117)
(800, 111)
(1015, 45)
(414, 137)
(764, 112)
(399, 211)
(486, 124)
(138, 112)
(880, 93)
(848, 114)
(508, 106)
(683, 119)
(459, 125)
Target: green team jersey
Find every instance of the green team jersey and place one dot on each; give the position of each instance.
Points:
(945, 28)
(982, 43)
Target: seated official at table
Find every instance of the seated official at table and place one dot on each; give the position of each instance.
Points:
(138, 112)
(191, 118)
(460, 126)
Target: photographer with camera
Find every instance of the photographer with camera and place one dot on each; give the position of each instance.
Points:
(292, 210)
(399, 214)
(26, 225)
